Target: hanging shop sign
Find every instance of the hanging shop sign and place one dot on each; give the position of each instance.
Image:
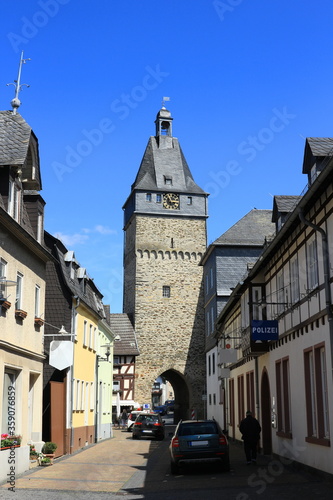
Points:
(264, 330)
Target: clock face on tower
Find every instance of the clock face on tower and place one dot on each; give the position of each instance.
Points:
(171, 200)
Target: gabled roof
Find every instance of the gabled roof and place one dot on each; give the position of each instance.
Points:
(316, 148)
(251, 230)
(88, 294)
(283, 205)
(121, 326)
(164, 157)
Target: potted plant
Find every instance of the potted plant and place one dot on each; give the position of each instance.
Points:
(10, 440)
(48, 449)
(45, 461)
(33, 453)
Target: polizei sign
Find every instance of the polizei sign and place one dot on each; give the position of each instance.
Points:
(264, 330)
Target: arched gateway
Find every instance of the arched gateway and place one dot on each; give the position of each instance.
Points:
(165, 238)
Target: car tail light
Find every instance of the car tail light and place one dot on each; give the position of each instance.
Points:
(175, 442)
(137, 424)
(223, 440)
(158, 424)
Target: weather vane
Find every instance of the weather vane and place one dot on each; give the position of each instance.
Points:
(18, 86)
(165, 99)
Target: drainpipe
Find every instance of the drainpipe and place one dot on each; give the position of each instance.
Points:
(71, 446)
(326, 263)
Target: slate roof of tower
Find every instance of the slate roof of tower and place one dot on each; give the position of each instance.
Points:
(122, 326)
(251, 230)
(164, 157)
(14, 138)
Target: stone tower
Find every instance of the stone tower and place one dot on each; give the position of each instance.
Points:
(165, 238)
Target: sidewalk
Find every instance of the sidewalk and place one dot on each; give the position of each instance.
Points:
(105, 466)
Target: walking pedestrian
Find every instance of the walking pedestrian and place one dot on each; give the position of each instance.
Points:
(124, 418)
(250, 429)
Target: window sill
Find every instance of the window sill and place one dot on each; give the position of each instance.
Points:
(39, 322)
(286, 435)
(19, 313)
(5, 304)
(319, 441)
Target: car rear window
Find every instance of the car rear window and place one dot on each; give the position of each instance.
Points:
(197, 428)
(147, 418)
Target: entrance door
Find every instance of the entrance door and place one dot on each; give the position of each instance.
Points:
(266, 423)
(58, 418)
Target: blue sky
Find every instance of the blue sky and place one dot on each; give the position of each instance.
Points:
(248, 81)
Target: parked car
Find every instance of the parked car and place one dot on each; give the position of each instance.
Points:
(162, 409)
(131, 419)
(198, 440)
(148, 424)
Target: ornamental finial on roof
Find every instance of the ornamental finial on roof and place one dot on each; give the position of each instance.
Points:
(18, 86)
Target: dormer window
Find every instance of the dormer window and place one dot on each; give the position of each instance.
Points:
(148, 197)
(14, 199)
(167, 181)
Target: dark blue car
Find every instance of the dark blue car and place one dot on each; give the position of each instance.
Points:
(162, 409)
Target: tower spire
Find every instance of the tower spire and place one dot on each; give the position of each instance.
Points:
(15, 103)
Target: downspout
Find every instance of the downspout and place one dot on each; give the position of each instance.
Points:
(72, 382)
(326, 263)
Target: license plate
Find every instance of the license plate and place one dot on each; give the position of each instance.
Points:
(147, 432)
(198, 443)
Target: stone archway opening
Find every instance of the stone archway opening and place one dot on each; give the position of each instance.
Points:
(181, 394)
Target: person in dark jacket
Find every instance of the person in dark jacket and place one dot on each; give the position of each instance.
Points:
(250, 429)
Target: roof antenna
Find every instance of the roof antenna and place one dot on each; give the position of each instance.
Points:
(165, 99)
(18, 86)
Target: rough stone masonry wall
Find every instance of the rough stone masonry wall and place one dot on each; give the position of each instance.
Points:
(170, 330)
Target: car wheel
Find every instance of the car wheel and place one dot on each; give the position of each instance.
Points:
(174, 468)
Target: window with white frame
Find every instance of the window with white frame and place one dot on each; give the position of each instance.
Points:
(39, 227)
(207, 323)
(90, 336)
(92, 396)
(211, 277)
(85, 332)
(256, 303)
(37, 301)
(212, 319)
(207, 283)
(14, 200)
(280, 293)
(19, 291)
(294, 280)
(283, 397)
(3, 269)
(312, 264)
(317, 410)
(245, 309)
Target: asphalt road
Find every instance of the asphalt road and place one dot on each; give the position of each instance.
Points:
(140, 469)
